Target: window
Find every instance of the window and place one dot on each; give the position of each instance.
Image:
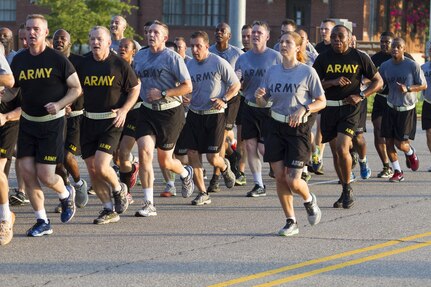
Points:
(8, 10)
(194, 12)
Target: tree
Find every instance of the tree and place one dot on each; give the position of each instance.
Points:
(79, 16)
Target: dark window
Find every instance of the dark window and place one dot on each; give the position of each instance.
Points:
(205, 13)
(8, 10)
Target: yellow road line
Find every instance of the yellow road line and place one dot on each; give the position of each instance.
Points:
(344, 264)
(318, 260)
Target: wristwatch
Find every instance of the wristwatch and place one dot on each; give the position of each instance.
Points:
(224, 99)
(164, 94)
(362, 95)
(408, 89)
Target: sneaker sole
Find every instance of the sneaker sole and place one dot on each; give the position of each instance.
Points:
(114, 220)
(46, 232)
(294, 232)
(137, 214)
(202, 203)
(256, 195)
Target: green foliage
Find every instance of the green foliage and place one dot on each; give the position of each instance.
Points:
(79, 16)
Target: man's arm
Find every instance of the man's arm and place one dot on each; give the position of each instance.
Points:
(11, 116)
(7, 80)
(375, 85)
(184, 88)
(72, 94)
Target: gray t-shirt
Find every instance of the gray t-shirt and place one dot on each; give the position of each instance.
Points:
(426, 68)
(231, 54)
(289, 89)
(4, 66)
(163, 71)
(251, 69)
(406, 72)
(211, 79)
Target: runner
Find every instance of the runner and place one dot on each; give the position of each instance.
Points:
(404, 78)
(341, 70)
(110, 90)
(296, 92)
(48, 83)
(128, 170)
(117, 27)
(72, 148)
(164, 77)
(231, 54)
(380, 104)
(251, 68)
(214, 85)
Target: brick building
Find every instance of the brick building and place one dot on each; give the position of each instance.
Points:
(369, 17)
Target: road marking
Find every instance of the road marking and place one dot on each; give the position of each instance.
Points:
(319, 260)
(344, 264)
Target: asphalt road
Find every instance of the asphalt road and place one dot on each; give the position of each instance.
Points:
(384, 240)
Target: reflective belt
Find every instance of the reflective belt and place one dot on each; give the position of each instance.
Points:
(330, 103)
(100, 116)
(208, 112)
(285, 119)
(254, 105)
(161, 107)
(42, 119)
(137, 106)
(75, 113)
(401, 109)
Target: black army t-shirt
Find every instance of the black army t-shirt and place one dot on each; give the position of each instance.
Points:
(42, 79)
(105, 83)
(353, 64)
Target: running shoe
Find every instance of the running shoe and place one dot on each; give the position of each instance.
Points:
(107, 216)
(40, 228)
(228, 175)
(412, 161)
(364, 170)
(81, 198)
(348, 198)
(257, 191)
(386, 172)
(241, 179)
(6, 230)
(170, 190)
(18, 198)
(134, 175)
(201, 199)
(214, 185)
(291, 228)
(313, 210)
(148, 209)
(188, 185)
(68, 208)
(397, 176)
(120, 199)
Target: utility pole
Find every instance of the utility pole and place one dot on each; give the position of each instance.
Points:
(236, 20)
